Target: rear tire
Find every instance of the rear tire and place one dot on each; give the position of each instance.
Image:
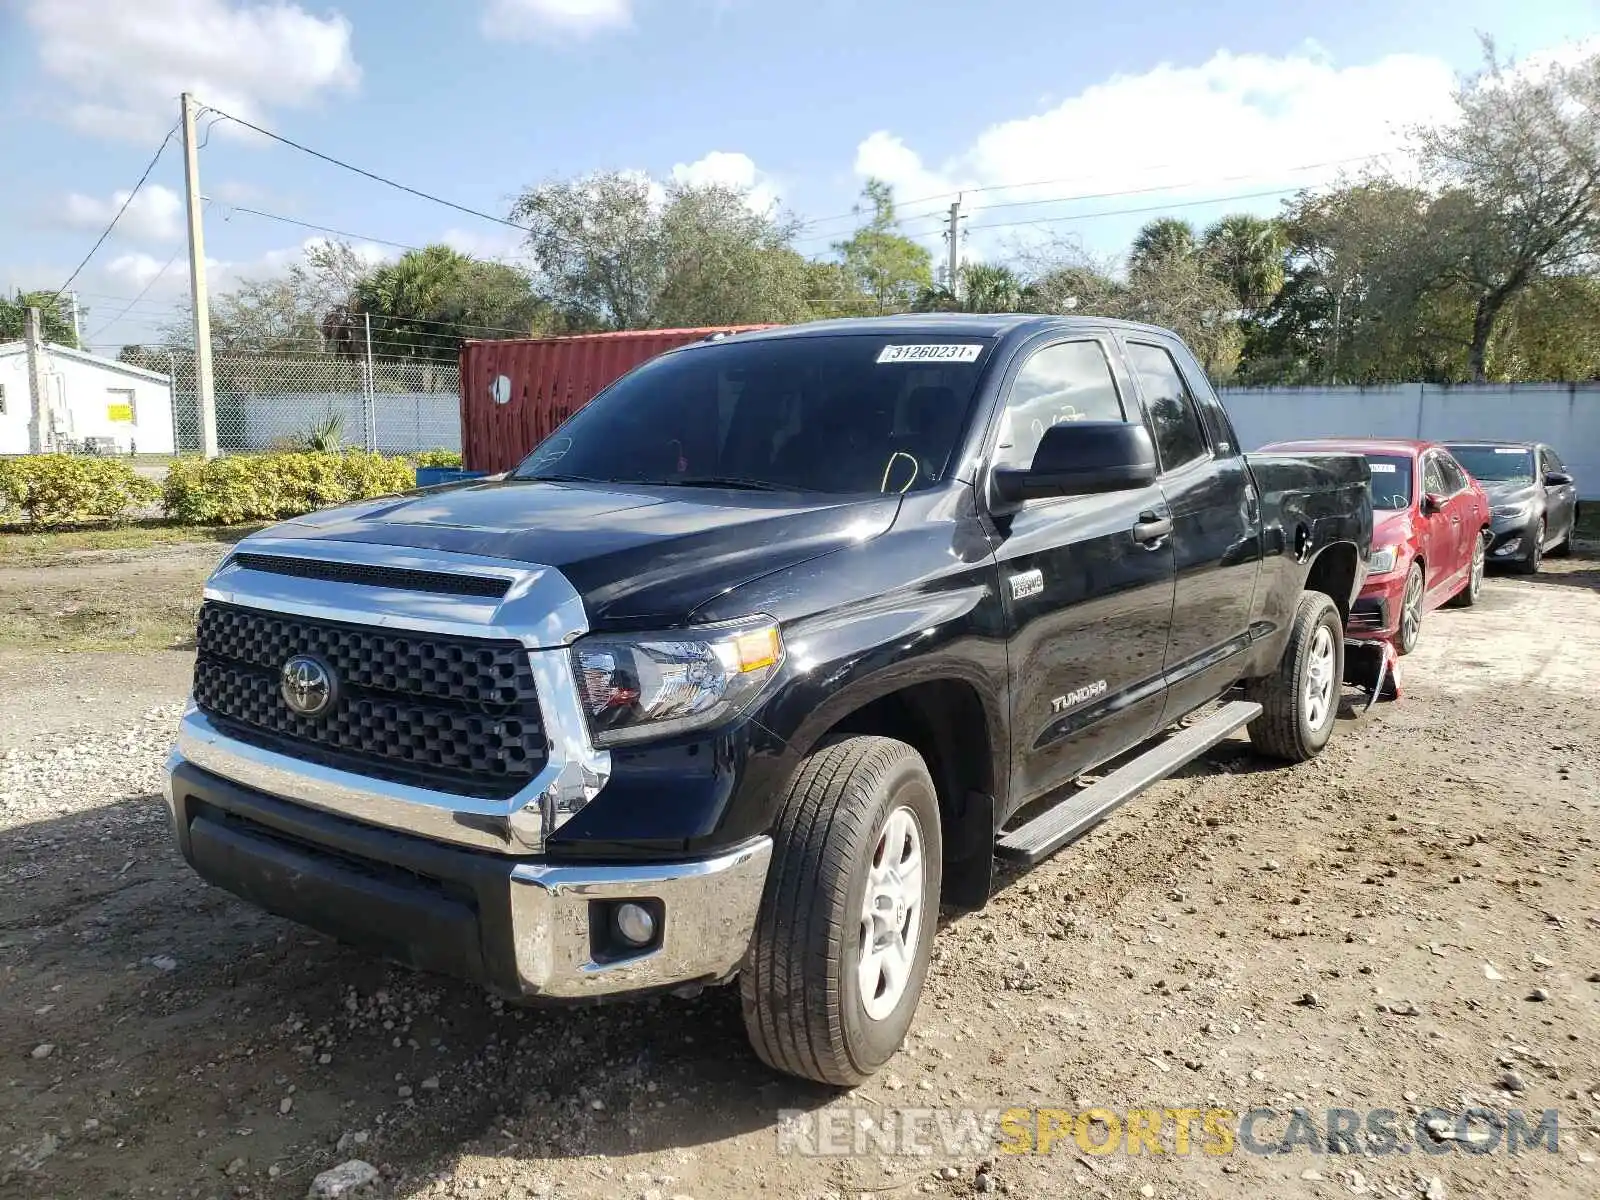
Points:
(840, 906)
(1473, 588)
(1564, 550)
(1300, 700)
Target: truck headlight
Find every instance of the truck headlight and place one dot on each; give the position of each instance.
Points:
(640, 686)
(1511, 512)
(1383, 560)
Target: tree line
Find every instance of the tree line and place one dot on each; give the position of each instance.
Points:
(1479, 262)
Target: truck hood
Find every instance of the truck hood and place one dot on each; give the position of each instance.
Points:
(1511, 491)
(635, 554)
(1391, 528)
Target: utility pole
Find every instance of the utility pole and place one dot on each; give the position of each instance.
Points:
(77, 332)
(205, 395)
(369, 415)
(955, 246)
(39, 404)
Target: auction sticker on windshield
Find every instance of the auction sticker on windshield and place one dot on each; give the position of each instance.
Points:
(927, 353)
(1382, 468)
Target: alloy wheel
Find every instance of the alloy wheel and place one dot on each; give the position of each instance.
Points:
(891, 914)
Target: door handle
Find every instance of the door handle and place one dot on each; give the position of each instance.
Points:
(1151, 530)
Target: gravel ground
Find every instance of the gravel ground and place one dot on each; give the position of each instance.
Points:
(1413, 920)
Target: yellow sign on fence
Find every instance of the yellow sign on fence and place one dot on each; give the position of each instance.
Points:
(119, 412)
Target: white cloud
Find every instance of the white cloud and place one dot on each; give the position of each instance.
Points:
(156, 214)
(1231, 125)
(503, 245)
(555, 18)
(122, 63)
(734, 170)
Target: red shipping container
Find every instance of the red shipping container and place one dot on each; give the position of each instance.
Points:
(514, 393)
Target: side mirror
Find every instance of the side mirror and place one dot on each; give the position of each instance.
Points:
(1082, 458)
(1557, 479)
(1432, 503)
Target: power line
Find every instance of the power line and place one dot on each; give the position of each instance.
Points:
(95, 337)
(339, 162)
(1140, 191)
(256, 212)
(99, 241)
(1124, 212)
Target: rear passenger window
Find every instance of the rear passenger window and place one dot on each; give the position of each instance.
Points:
(1066, 382)
(1433, 478)
(1455, 479)
(1173, 418)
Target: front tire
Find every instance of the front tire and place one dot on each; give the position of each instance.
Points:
(1531, 564)
(1410, 629)
(846, 928)
(1300, 700)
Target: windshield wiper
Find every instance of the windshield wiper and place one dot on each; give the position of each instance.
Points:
(559, 479)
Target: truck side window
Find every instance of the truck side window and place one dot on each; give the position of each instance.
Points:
(1433, 481)
(1173, 417)
(1070, 381)
(1455, 479)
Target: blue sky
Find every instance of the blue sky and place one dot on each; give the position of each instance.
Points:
(1149, 106)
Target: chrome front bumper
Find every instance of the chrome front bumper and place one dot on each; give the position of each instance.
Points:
(524, 927)
(710, 906)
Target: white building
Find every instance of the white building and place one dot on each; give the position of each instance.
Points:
(86, 397)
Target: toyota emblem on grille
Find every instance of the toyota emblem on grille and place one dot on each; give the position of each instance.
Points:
(307, 685)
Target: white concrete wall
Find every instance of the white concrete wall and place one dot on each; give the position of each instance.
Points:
(1567, 416)
(14, 420)
(80, 394)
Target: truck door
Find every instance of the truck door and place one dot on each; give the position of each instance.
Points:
(1086, 582)
(1216, 535)
(1440, 535)
(1561, 500)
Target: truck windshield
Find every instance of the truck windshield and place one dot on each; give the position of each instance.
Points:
(828, 413)
(1495, 464)
(1391, 481)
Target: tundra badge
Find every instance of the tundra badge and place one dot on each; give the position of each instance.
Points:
(1076, 697)
(1029, 583)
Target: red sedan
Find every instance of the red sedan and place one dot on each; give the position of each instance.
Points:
(1429, 536)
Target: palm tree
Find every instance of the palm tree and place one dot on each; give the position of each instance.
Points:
(1163, 238)
(1247, 254)
(985, 288)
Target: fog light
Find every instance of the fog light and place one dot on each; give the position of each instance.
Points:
(635, 924)
(1510, 547)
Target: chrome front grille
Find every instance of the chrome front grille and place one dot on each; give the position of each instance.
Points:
(451, 713)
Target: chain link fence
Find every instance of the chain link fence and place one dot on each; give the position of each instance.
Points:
(264, 402)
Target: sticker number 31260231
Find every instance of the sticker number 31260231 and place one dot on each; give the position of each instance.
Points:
(926, 353)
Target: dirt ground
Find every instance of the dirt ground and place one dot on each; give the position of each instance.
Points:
(1411, 921)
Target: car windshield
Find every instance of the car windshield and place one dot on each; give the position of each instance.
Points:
(1496, 464)
(836, 413)
(1391, 481)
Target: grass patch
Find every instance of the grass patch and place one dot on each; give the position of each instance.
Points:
(24, 546)
(90, 619)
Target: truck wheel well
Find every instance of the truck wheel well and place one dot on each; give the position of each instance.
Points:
(944, 721)
(1334, 572)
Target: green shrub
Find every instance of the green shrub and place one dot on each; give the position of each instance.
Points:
(437, 458)
(50, 488)
(274, 487)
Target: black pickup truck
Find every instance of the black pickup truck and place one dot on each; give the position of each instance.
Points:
(771, 649)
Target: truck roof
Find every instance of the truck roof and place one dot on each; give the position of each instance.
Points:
(947, 325)
(1367, 445)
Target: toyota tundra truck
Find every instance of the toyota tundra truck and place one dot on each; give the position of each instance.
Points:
(768, 652)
